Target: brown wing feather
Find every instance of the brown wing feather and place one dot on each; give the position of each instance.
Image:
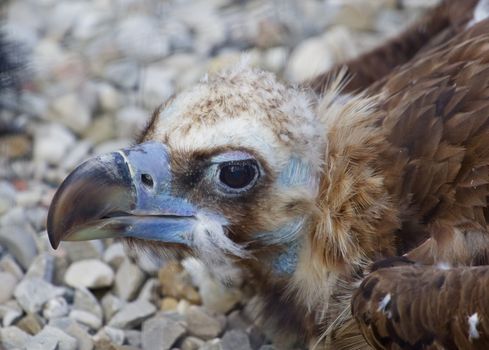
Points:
(437, 120)
(417, 307)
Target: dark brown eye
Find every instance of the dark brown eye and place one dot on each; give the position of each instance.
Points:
(238, 175)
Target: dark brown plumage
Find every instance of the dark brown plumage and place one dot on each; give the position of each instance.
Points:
(424, 307)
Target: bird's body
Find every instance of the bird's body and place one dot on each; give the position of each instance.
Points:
(302, 193)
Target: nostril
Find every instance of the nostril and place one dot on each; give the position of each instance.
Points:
(147, 181)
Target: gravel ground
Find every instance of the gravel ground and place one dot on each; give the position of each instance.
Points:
(95, 71)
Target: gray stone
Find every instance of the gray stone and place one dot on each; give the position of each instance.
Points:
(131, 120)
(8, 283)
(235, 340)
(214, 344)
(114, 255)
(76, 155)
(192, 343)
(84, 250)
(20, 242)
(132, 314)
(33, 292)
(13, 338)
(124, 74)
(111, 305)
(111, 146)
(9, 265)
(160, 333)
(107, 96)
(52, 338)
(90, 273)
(202, 324)
(42, 267)
(157, 86)
(31, 323)
(140, 37)
(150, 290)
(55, 308)
(10, 312)
(86, 318)
(71, 111)
(86, 301)
(128, 280)
(52, 142)
(133, 337)
(71, 327)
(7, 196)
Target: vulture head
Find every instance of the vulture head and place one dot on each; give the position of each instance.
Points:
(227, 171)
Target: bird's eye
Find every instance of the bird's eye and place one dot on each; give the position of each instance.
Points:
(238, 175)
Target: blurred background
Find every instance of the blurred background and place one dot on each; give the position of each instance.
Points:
(80, 78)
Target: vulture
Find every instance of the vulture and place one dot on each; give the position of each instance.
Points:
(356, 204)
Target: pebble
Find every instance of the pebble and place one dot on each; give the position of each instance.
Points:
(8, 283)
(84, 300)
(31, 324)
(73, 328)
(133, 337)
(71, 111)
(160, 333)
(113, 335)
(123, 74)
(55, 308)
(128, 280)
(168, 304)
(132, 314)
(131, 120)
(13, 338)
(192, 343)
(42, 267)
(175, 282)
(33, 292)
(90, 273)
(84, 250)
(51, 338)
(114, 255)
(20, 242)
(111, 305)
(86, 318)
(52, 142)
(202, 324)
(236, 340)
(9, 265)
(10, 312)
(149, 291)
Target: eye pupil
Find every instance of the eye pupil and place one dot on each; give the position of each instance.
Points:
(237, 176)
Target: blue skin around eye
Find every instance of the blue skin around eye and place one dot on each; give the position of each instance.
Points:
(297, 173)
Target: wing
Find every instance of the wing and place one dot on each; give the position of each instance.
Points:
(437, 123)
(438, 24)
(417, 307)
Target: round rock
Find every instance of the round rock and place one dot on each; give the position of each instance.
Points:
(90, 273)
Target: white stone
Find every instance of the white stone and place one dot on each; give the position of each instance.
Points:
(140, 37)
(114, 255)
(130, 121)
(20, 242)
(86, 318)
(123, 73)
(90, 273)
(55, 308)
(52, 142)
(76, 155)
(33, 292)
(13, 338)
(70, 110)
(316, 55)
(128, 280)
(51, 338)
(132, 314)
(7, 283)
(107, 96)
(157, 86)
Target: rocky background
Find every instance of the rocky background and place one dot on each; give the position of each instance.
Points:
(93, 70)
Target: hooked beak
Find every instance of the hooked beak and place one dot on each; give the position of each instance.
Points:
(121, 194)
